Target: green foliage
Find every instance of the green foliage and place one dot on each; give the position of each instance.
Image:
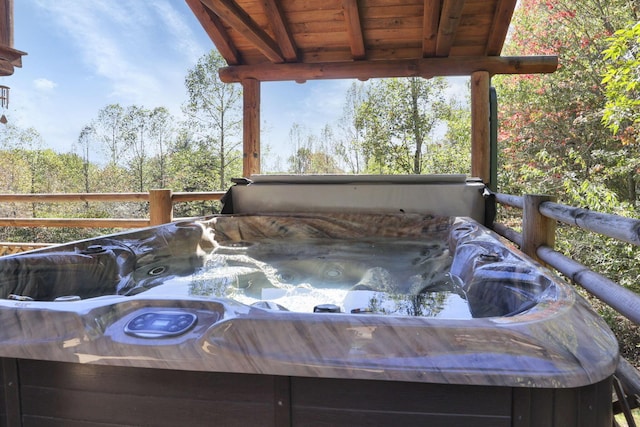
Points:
(621, 78)
(144, 149)
(313, 155)
(452, 154)
(110, 132)
(551, 126)
(350, 144)
(389, 126)
(556, 130)
(397, 118)
(213, 110)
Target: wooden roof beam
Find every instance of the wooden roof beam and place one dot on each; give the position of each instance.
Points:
(274, 13)
(239, 20)
(500, 26)
(430, 21)
(216, 32)
(426, 67)
(14, 56)
(354, 29)
(449, 20)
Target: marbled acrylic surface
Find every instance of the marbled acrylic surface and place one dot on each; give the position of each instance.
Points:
(526, 327)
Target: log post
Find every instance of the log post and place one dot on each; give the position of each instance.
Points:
(480, 145)
(250, 127)
(160, 207)
(537, 230)
(6, 28)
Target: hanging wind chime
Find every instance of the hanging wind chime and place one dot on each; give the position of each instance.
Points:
(4, 102)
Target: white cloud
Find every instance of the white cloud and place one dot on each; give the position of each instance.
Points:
(44, 85)
(180, 33)
(124, 45)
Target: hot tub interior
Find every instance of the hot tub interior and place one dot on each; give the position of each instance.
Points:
(403, 265)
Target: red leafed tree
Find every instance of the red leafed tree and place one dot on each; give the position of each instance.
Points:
(554, 139)
(551, 131)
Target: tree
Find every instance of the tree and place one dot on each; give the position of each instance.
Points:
(324, 161)
(160, 134)
(622, 84)
(13, 166)
(214, 112)
(551, 125)
(85, 143)
(397, 118)
(300, 160)
(136, 125)
(553, 138)
(350, 147)
(452, 154)
(192, 166)
(30, 145)
(110, 132)
(312, 155)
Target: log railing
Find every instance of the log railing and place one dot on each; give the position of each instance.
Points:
(540, 214)
(160, 211)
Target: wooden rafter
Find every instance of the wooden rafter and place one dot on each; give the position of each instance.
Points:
(354, 28)
(240, 21)
(426, 67)
(449, 20)
(216, 32)
(431, 19)
(278, 23)
(328, 31)
(500, 26)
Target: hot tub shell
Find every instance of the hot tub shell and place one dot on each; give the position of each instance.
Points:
(534, 354)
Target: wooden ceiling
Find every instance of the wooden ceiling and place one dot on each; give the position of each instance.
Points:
(312, 39)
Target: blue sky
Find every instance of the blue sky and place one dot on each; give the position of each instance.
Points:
(86, 54)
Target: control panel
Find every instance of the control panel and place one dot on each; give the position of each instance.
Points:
(160, 324)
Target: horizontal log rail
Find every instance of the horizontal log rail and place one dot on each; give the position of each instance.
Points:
(160, 211)
(617, 227)
(510, 200)
(75, 197)
(616, 296)
(192, 196)
(621, 299)
(75, 222)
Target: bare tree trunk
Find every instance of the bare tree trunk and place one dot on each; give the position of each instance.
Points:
(417, 132)
(631, 187)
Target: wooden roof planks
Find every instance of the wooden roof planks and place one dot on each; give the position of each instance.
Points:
(293, 38)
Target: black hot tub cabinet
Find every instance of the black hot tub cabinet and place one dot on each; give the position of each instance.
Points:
(194, 323)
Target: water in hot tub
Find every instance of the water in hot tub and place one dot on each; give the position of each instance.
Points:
(378, 276)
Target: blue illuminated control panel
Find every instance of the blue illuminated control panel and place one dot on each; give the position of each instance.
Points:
(160, 324)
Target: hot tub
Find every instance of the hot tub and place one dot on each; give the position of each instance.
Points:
(299, 319)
